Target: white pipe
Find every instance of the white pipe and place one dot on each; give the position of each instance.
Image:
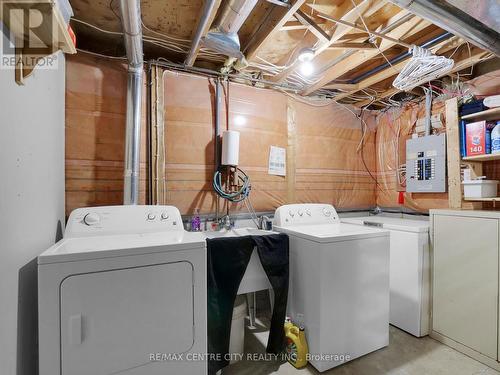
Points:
(130, 11)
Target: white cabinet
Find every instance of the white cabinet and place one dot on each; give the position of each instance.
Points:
(466, 281)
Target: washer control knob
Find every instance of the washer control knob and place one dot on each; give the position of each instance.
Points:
(164, 215)
(151, 216)
(291, 213)
(308, 212)
(91, 219)
(300, 212)
(327, 212)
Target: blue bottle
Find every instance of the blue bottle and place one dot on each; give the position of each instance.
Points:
(487, 141)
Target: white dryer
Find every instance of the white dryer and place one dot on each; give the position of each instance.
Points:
(409, 271)
(339, 283)
(123, 292)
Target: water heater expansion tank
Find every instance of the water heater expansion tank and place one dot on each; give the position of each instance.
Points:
(230, 147)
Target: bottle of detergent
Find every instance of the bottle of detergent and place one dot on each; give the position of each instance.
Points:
(196, 221)
(495, 139)
(296, 347)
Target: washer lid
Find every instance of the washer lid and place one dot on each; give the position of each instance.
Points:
(87, 248)
(325, 233)
(405, 225)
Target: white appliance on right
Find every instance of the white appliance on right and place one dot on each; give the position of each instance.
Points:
(339, 283)
(409, 270)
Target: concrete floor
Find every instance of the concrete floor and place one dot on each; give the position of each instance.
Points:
(405, 355)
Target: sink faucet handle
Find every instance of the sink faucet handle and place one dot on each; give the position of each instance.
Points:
(265, 222)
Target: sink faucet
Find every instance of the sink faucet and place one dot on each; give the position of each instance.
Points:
(225, 222)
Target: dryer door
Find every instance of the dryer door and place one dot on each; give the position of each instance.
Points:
(112, 321)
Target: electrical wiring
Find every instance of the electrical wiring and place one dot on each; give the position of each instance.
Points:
(96, 27)
(101, 55)
(175, 45)
(364, 126)
(183, 40)
(372, 39)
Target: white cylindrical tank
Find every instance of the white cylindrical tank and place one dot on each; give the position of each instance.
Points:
(230, 147)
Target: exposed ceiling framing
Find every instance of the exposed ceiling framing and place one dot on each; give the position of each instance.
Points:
(352, 41)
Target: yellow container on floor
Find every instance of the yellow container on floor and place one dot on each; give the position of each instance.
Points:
(296, 347)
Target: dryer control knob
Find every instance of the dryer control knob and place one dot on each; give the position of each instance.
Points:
(164, 215)
(327, 212)
(291, 213)
(151, 216)
(91, 219)
(300, 212)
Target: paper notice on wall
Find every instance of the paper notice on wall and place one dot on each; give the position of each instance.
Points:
(277, 161)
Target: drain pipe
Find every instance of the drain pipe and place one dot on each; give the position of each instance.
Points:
(130, 11)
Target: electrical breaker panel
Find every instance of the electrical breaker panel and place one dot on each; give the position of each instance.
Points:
(426, 164)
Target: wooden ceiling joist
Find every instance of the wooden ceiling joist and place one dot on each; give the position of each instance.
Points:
(461, 62)
(351, 15)
(333, 71)
(353, 36)
(272, 24)
(348, 45)
(361, 27)
(342, 86)
(393, 70)
(313, 26)
(297, 25)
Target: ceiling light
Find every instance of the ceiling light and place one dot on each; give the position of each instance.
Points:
(306, 68)
(306, 54)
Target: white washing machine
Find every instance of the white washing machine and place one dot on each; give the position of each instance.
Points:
(409, 271)
(124, 292)
(339, 283)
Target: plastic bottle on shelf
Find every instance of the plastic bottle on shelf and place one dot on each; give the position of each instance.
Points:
(495, 139)
(487, 140)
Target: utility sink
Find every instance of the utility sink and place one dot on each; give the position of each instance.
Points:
(236, 232)
(255, 277)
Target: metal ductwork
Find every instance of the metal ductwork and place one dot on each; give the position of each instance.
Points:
(454, 20)
(223, 37)
(209, 7)
(130, 11)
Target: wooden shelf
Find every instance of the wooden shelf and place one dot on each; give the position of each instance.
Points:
(496, 199)
(486, 157)
(489, 114)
